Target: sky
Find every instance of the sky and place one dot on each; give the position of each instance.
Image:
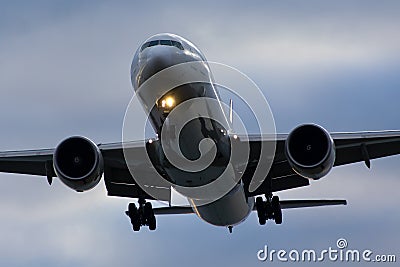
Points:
(64, 70)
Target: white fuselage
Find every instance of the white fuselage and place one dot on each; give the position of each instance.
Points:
(157, 54)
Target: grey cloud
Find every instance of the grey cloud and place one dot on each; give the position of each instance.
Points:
(68, 73)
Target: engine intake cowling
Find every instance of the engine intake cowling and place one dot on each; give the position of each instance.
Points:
(310, 151)
(78, 163)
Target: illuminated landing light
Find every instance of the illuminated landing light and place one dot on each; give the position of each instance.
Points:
(168, 102)
(235, 136)
(150, 141)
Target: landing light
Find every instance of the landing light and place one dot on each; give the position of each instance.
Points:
(168, 102)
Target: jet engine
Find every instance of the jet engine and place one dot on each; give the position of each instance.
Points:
(78, 163)
(310, 151)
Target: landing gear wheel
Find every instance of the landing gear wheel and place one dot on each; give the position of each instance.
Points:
(133, 214)
(269, 209)
(276, 209)
(152, 223)
(149, 217)
(144, 215)
(260, 206)
(135, 224)
(147, 212)
(132, 210)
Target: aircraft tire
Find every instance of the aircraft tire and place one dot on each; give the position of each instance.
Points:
(276, 208)
(152, 223)
(260, 206)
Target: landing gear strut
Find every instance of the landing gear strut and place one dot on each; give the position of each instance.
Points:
(143, 215)
(270, 209)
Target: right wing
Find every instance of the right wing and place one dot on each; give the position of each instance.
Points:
(350, 148)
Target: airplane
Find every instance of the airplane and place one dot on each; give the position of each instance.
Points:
(143, 170)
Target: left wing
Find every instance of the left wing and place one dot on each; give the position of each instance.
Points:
(118, 179)
(34, 162)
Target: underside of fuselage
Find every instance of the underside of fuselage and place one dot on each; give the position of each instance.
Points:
(204, 121)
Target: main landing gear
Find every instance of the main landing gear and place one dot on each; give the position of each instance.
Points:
(270, 209)
(143, 215)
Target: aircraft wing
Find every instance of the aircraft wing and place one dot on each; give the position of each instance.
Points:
(118, 180)
(350, 148)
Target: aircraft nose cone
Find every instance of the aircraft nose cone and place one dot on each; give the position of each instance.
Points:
(157, 59)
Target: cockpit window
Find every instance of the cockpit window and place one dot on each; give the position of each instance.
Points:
(145, 45)
(165, 42)
(162, 42)
(177, 45)
(153, 43)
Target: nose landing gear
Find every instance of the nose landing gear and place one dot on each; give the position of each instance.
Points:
(270, 209)
(141, 216)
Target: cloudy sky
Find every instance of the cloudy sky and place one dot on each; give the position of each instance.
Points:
(64, 70)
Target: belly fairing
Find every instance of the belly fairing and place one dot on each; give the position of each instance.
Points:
(230, 210)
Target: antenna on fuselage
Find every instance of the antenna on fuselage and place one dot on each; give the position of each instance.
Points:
(231, 111)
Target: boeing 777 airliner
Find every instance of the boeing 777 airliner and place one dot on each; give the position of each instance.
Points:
(202, 159)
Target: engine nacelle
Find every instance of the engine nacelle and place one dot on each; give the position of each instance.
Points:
(78, 163)
(310, 151)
